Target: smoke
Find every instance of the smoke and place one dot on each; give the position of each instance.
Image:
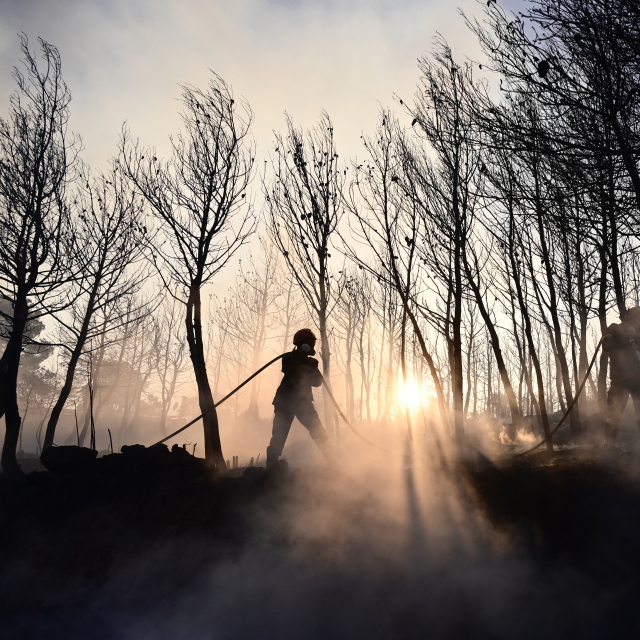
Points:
(360, 556)
(388, 547)
(366, 557)
(522, 437)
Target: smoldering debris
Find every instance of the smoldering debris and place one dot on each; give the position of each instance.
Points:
(546, 548)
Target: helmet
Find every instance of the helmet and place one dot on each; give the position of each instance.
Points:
(303, 335)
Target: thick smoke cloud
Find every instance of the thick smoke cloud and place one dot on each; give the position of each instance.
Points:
(377, 551)
(370, 556)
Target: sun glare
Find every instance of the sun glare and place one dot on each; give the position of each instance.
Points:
(409, 395)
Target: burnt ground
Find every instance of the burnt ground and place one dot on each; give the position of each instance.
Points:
(116, 550)
(64, 535)
(578, 510)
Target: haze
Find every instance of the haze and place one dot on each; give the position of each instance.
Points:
(124, 60)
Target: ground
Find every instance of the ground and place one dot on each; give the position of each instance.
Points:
(518, 548)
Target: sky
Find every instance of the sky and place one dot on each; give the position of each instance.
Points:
(124, 60)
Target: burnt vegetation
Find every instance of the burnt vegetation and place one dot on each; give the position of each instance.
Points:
(462, 273)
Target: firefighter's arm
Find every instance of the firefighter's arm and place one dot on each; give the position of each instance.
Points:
(609, 338)
(290, 364)
(315, 375)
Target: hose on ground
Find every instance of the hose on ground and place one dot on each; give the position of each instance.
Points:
(569, 408)
(335, 404)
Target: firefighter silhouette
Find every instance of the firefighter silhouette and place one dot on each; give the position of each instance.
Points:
(294, 397)
(622, 341)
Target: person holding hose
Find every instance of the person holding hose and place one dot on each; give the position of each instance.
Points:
(294, 398)
(622, 342)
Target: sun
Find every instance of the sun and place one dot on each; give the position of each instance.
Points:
(409, 395)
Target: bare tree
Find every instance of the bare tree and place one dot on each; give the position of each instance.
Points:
(141, 364)
(108, 235)
(199, 197)
(35, 159)
(388, 222)
(348, 319)
(362, 291)
(444, 115)
(290, 307)
(304, 202)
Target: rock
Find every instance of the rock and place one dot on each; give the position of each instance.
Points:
(181, 453)
(68, 459)
(139, 455)
(134, 457)
(254, 472)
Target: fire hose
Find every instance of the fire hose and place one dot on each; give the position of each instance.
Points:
(569, 408)
(249, 379)
(217, 404)
(365, 439)
(335, 404)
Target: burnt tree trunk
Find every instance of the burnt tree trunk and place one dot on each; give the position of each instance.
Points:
(516, 417)
(212, 444)
(574, 416)
(10, 384)
(71, 370)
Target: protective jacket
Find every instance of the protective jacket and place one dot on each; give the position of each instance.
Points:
(300, 374)
(620, 341)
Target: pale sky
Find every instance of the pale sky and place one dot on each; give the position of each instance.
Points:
(124, 59)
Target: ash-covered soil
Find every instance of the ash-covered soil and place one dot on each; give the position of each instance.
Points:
(65, 537)
(542, 547)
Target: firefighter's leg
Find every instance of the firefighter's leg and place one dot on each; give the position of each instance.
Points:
(282, 419)
(616, 403)
(635, 396)
(310, 419)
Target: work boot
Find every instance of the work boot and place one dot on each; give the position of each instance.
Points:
(272, 458)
